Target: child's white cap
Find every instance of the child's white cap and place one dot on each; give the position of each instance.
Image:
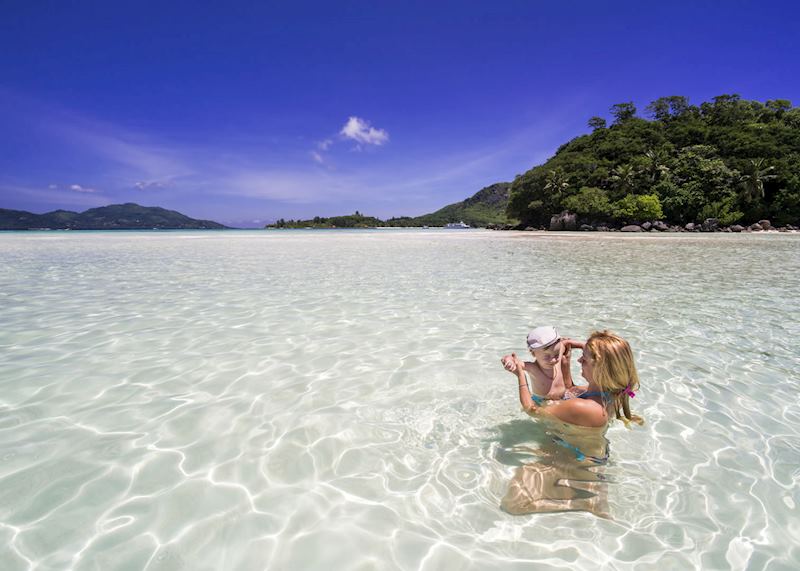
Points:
(542, 337)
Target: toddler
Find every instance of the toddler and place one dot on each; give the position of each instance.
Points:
(549, 372)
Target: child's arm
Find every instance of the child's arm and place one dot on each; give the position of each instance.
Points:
(525, 398)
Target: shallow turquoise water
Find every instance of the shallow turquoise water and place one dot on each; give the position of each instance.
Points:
(334, 400)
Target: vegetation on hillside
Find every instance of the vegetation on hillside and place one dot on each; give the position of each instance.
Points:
(356, 220)
(730, 159)
(127, 216)
(487, 206)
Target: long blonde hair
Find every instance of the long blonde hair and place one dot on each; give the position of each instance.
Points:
(614, 371)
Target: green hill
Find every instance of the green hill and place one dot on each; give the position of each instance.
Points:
(487, 206)
(127, 216)
(729, 159)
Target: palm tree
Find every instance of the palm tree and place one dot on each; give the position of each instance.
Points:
(752, 180)
(623, 178)
(656, 165)
(556, 183)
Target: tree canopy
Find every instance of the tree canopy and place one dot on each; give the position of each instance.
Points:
(730, 159)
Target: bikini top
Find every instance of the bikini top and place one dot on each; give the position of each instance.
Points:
(540, 400)
(590, 394)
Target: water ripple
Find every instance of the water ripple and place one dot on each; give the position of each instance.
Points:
(305, 400)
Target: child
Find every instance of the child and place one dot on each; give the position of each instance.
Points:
(550, 373)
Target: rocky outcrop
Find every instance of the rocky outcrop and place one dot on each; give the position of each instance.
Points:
(564, 221)
(568, 221)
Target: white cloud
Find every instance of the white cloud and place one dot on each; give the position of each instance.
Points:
(79, 188)
(324, 145)
(317, 157)
(361, 131)
(149, 184)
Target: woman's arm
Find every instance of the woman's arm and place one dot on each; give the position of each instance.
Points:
(572, 343)
(580, 412)
(559, 385)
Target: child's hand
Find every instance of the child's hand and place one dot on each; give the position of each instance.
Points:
(509, 364)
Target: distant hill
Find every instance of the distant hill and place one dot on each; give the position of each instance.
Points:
(127, 216)
(487, 206)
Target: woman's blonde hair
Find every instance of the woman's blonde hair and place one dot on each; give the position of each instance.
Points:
(614, 371)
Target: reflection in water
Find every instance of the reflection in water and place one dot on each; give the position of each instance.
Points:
(560, 467)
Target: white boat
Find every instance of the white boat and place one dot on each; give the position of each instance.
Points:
(457, 225)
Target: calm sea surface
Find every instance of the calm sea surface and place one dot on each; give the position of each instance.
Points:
(307, 400)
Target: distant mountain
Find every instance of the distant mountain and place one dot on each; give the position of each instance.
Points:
(127, 216)
(487, 206)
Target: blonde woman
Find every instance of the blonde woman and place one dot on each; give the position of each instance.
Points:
(569, 479)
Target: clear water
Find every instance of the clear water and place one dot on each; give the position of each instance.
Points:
(334, 400)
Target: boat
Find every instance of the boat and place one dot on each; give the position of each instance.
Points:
(457, 225)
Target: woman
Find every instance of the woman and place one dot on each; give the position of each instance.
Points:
(577, 446)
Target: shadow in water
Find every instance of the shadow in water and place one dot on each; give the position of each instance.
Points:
(559, 467)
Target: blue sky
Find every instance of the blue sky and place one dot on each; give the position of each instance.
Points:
(251, 111)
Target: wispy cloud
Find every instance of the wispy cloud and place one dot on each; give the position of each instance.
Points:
(53, 196)
(150, 184)
(291, 186)
(361, 131)
(138, 153)
(79, 188)
(127, 149)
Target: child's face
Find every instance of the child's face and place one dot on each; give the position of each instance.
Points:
(548, 356)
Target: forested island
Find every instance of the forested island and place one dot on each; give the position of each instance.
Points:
(727, 161)
(127, 216)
